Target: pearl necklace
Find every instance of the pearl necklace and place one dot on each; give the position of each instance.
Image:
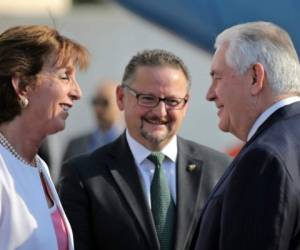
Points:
(5, 143)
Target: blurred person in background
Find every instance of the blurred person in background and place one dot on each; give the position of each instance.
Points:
(109, 119)
(143, 191)
(37, 88)
(256, 86)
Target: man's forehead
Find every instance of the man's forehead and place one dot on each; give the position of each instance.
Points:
(218, 60)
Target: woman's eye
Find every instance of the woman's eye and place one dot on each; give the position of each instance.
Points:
(64, 77)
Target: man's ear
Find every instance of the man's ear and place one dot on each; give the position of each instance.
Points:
(258, 78)
(120, 97)
(185, 108)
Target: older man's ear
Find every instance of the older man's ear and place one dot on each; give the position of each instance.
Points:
(258, 79)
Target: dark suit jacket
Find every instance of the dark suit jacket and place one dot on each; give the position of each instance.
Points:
(105, 203)
(256, 204)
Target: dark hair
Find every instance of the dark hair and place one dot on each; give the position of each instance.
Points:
(156, 57)
(23, 51)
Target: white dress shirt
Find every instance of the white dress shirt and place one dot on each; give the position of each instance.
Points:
(269, 111)
(146, 168)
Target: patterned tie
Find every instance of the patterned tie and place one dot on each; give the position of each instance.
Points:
(163, 207)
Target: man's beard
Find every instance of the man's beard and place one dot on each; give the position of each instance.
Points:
(154, 139)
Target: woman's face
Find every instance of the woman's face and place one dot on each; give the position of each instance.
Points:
(52, 97)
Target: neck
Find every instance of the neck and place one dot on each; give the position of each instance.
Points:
(20, 142)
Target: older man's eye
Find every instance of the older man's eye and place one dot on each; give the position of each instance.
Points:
(217, 77)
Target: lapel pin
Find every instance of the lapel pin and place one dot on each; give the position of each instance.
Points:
(191, 167)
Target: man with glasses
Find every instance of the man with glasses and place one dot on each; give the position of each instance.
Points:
(145, 190)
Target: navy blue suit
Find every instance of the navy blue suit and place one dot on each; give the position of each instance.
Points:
(256, 204)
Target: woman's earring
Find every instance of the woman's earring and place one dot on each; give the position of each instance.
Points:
(23, 101)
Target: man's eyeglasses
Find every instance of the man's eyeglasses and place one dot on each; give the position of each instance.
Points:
(151, 101)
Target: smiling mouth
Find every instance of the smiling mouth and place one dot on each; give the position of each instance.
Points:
(65, 107)
(156, 121)
(220, 109)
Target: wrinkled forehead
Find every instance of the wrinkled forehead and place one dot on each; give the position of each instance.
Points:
(219, 57)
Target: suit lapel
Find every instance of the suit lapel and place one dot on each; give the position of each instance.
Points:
(283, 113)
(124, 172)
(188, 193)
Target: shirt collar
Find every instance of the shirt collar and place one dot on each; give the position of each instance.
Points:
(140, 153)
(269, 111)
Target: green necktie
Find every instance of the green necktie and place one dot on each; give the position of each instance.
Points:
(163, 208)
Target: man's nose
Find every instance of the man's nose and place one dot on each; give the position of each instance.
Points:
(210, 95)
(161, 108)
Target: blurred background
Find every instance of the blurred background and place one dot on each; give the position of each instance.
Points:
(113, 31)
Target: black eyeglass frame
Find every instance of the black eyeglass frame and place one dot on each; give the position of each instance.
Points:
(180, 102)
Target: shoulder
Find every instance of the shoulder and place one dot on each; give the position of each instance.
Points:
(281, 140)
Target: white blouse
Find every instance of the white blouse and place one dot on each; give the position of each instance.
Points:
(25, 220)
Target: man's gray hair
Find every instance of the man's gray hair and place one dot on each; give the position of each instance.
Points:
(265, 43)
(155, 57)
